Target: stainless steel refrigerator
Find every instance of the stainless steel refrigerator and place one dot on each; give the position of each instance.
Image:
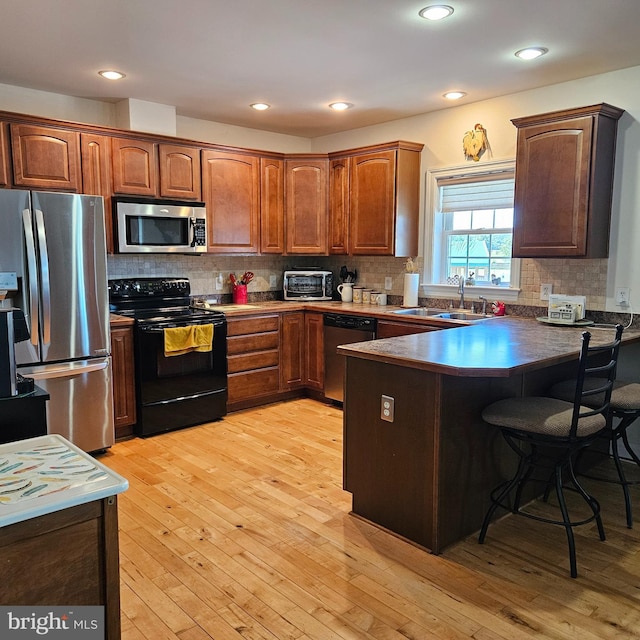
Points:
(54, 243)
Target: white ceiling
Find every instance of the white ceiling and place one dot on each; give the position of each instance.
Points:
(212, 58)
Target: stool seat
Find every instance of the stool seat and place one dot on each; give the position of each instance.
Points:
(625, 395)
(546, 416)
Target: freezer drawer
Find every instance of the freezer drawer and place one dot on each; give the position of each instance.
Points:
(81, 401)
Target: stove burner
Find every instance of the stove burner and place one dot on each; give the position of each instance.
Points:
(156, 300)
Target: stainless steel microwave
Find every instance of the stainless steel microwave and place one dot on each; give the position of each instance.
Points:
(308, 285)
(154, 226)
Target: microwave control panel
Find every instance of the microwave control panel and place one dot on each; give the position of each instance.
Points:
(199, 232)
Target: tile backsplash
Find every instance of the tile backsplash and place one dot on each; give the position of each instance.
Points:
(568, 276)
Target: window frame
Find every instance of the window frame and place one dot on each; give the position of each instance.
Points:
(434, 222)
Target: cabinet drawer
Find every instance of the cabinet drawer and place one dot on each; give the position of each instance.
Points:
(242, 386)
(254, 342)
(260, 324)
(254, 360)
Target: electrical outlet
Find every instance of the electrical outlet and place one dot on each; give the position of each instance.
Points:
(387, 406)
(219, 282)
(545, 291)
(388, 283)
(622, 296)
(273, 281)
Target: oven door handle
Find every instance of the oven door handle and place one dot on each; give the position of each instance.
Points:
(161, 329)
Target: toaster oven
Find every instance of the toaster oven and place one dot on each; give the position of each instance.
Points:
(308, 285)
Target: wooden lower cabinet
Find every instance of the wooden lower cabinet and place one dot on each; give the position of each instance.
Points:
(69, 557)
(390, 329)
(253, 357)
(314, 350)
(292, 350)
(124, 389)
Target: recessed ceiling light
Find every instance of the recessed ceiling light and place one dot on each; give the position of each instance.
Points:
(454, 95)
(531, 53)
(260, 106)
(436, 12)
(110, 74)
(340, 106)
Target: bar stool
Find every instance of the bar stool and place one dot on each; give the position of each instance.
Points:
(547, 433)
(625, 407)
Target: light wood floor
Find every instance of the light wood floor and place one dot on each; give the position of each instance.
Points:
(240, 530)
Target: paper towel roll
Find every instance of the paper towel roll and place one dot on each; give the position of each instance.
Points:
(411, 282)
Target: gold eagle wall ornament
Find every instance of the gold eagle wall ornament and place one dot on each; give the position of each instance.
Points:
(475, 143)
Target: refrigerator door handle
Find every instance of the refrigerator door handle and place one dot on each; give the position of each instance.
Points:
(44, 278)
(32, 270)
(67, 370)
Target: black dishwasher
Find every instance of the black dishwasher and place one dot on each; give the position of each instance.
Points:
(342, 329)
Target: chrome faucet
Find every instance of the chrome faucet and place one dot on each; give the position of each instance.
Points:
(461, 291)
(484, 305)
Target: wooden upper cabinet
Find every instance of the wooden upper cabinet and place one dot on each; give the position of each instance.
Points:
(231, 192)
(374, 200)
(306, 202)
(271, 205)
(179, 172)
(4, 156)
(564, 180)
(46, 158)
(134, 164)
(339, 206)
(96, 175)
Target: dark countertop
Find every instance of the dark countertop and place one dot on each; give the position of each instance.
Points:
(499, 347)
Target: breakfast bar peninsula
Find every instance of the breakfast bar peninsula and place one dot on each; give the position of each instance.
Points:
(420, 462)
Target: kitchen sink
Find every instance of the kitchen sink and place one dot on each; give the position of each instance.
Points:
(418, 311)
(445, 315)
(462, 315)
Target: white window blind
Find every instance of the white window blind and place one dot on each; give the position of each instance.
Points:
(485, 192)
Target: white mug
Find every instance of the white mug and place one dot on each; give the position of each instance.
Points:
(346, 291)
(382, 299)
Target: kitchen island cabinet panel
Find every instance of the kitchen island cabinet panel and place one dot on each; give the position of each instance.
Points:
(134, 164)
(401, 493)
(5, 177)
(46, 158)
(69, 557)
(231, 192)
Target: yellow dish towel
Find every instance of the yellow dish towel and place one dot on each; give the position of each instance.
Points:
(181, 340)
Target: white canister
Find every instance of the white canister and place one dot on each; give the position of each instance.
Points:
(357, 294)
(366, 296)
(346, 291)
(411, 283)
(374, 297)
(382, 299)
